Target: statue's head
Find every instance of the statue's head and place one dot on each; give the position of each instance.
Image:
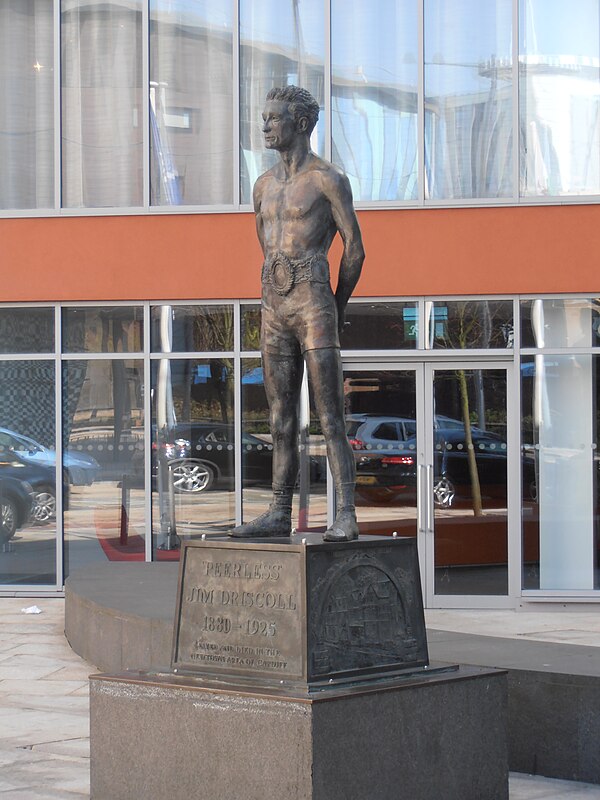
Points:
(300, 102)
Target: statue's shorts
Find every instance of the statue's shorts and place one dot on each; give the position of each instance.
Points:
(298, 307)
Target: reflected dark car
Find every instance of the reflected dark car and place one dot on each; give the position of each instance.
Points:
(393, 473)
(200, 455)
(80, 469)
(386, 475)
(452, 478)
(16, 502)
(41, 479)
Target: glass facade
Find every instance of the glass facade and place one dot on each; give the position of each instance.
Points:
(381, 326)
(468, 99)
(559, 65)
(103, 457)
(117, 329)
(154, 105)
(193, 450)
(560, 472)
(102, 97)
(191, 103)
(143, 425)
(27, 109)
(188, 329)
(374, 97)
(470, 324)
(26, 330)
(28, 519)
(280, 44)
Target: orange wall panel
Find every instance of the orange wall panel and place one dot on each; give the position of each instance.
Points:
(537, 249)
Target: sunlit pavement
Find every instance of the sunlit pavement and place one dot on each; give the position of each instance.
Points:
(44, 718)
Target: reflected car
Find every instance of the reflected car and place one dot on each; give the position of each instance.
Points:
(452, 478)
(40, 478)
(393, 474)
(377, 432)
(16, 502)
(79, 469)
(202, 454)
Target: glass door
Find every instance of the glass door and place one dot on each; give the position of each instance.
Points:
(383, 425)
(431, 446)
(466, 483)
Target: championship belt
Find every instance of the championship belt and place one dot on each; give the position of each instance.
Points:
(283, 272)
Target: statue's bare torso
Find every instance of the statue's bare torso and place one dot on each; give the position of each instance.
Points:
(294, 215)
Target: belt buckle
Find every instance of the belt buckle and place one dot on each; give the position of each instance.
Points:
(282, 274)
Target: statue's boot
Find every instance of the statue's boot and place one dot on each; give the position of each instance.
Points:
(273, 522)
(344, 528)
(276, 521)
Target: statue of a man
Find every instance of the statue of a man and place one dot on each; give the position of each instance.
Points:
(300, 205)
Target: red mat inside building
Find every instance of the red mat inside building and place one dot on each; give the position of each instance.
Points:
(129, 546)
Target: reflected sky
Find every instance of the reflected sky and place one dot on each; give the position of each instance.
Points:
(553, 27)
(195, 12)
(461, 38)
(471, 30)
(284, 22)
(375, 43)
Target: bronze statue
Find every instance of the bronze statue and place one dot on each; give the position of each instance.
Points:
(300, 205)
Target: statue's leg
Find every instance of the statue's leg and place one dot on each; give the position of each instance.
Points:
(325, 374)
(283, 379)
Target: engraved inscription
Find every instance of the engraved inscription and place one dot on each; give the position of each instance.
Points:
(224, 597)
(240, 614)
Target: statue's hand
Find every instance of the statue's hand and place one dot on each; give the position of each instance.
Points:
(342, 324)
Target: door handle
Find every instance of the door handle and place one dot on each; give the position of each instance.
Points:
(429, 494)
(420, 498)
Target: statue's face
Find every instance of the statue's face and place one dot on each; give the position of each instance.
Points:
(279, 127)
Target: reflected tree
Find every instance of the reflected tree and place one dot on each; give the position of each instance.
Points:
(473, 325)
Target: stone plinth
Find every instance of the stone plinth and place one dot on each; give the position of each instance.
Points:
(426, 738)
(303, 612)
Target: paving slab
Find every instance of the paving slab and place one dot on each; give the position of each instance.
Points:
(56, 767)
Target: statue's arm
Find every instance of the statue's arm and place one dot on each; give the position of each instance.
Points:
(257, 200)
(340, 197)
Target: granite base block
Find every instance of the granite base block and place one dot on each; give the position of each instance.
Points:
(563, 742)
(422, 738)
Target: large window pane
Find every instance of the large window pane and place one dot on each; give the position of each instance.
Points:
(193, 451)
(571, 322)
(250, 315)
(280, 44)
(102, 100)
(374, 96)
(560, 97)
(560, 467)
(191, 111)
(468, 99)
(187, 329)
(117, 329)
(380, 326)
(103, 436)
(471, 324)
(27, 473)
(27, 108)
(26, 330)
